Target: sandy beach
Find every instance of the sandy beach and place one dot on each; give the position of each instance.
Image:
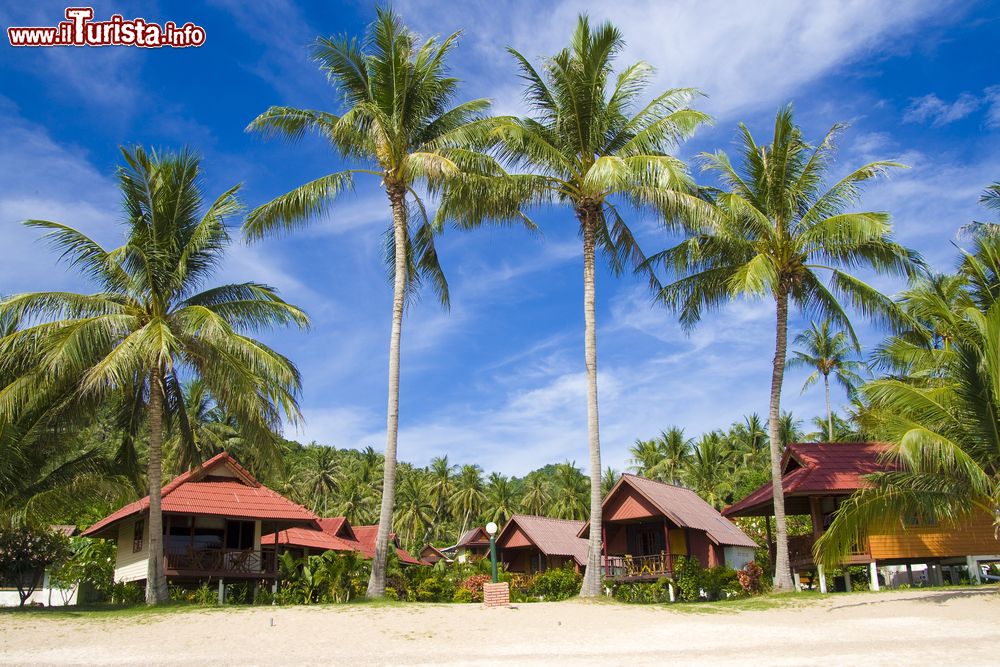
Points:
(896, 628)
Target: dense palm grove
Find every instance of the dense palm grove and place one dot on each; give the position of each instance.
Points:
(105, 396)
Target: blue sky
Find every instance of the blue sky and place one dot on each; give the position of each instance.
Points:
(499, 379)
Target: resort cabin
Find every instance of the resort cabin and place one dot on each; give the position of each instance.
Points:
(818, 477)
(213, 519)
(530, 544)
(332, 534)
(473, 545)
(430, 554)
(648, 525)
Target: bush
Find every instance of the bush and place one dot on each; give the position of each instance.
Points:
(688, 575)
(556, 584)
(462, 595)
(206, 595)
(237, 593)
(751, 579)
(127, 593)
(474, 585)
(720, 581)
(264, 596)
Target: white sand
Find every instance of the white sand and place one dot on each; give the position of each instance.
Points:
(894, 628)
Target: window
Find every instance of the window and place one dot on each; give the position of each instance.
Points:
(140, 526)
(239, 534)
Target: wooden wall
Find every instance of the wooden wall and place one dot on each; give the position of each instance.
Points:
(968, 538)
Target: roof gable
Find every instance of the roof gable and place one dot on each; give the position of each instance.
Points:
(553, 537)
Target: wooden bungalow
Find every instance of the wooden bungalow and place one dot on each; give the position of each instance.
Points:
(333, 534)
(430, 554)
(647, 525)
(213, 519)
(818, 477)
(473, 545)
(530, 544)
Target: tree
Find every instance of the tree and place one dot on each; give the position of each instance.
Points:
(944, 464)
(414, 511)
(829, 353)
(774, 231)
(991, 200)
(399, 124)
(646, 454)
(585, 148)
(467, 502)
(536, 496)
(608, 480)
(320, 478)
(25, 552)
(675, 450)
(148, 327)
(710, 471)
(442, 477)
(209, 431)
(569, 492)
(500, 498)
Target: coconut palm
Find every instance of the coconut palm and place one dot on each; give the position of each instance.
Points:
(149, 327)
(589, 146)
(608, 480)
(468, 498)
(399, 124)
(675, 450)
(501, 501)
(320, 478)
(829, 353)
(943, 426)
(440, 488)
(711, 471)
(646, 455)
(536, 498)
(776, 230)
(569, 492)
(356, 501)
(414, 510)
(208, 431)
(991, 200)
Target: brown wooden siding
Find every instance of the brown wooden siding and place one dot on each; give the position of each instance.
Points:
(972, 537)
(629, 504)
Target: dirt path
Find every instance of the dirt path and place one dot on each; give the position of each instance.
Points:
(898, 628)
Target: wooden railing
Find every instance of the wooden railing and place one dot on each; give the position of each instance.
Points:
(639, 567)
(221, 561)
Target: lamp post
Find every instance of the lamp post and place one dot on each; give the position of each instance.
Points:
(491, 528)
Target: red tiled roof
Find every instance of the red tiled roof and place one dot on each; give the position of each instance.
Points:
(553, 537)
(686, 509)
(331, 536)
(194, 492)
(822, 467)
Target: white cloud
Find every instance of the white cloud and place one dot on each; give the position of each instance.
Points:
(932, 109)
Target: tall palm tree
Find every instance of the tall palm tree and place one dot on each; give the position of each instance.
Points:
(711, 471)
(608, 480)
(537, 497)
(775, 231)
(208, 430)
(399, 124)
(589, 146)
(468, 498)
(414, 511)
(320, 478)
(440, 488)
(501, 501)
(569, 492)
(991, 200)
(149, 327)
(943, 425)
(675, 449)
(646, 455)
(829, 353)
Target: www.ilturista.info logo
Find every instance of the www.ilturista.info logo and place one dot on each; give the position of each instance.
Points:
(80, 30)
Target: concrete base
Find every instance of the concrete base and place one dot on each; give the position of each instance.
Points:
(496, 595)
(873, 575)
(821, 574)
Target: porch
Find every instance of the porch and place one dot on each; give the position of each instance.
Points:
(627, 568)
(227, 563)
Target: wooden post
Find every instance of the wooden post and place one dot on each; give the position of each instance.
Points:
(847, 579)
(797, 581)
(666, 539)
(770, 545)
(873, 574)
(909, 574)
(604, 547)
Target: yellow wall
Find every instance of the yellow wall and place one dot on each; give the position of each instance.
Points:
(678, 547)
(968, 538)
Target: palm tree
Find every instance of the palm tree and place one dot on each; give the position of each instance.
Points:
(710, 471)
(501, 501)
(442, 478)
(399, 124)
(943, 425)
(468, 498)
(774, 232)
(991, 200)
(646, 455)
(320, 478)
(208, 430)
(148, 327)
(569, 492)
(414, 511)
(675, 450)
(536, 496)
(588, 146)
(608, 480)
(356, 501)
(827, 352)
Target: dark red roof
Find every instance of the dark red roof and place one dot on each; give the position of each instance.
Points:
(819, 468)
(310, 538)
(553, 537)
(198, 492)
(366, 539)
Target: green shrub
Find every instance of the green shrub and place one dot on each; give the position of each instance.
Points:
(557, 583)
(719, 582)
(127, 594)
(206, 595)
(462, 595)
(688, 575)
(643, 592)
(264, 596)
(238, 593)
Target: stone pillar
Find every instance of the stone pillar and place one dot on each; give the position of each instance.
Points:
(847, 579)
(673, 595)
(222, 591)
(975, 575)
(496, 595)
(797, 580)
(821, 573)
(909, 574)
(873, 575)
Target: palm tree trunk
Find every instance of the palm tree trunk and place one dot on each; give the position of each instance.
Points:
(782, 571)
(592, 577)
(376, 584)
(829, 411)
(156, 578)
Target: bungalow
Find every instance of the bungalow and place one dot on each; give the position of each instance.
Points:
(431, 554)
(529, 544)
(333, 534)
(219, 522)
(818, 477)
(647, 525)
(473, 545)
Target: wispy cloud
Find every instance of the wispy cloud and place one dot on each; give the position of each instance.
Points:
(932, 109)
